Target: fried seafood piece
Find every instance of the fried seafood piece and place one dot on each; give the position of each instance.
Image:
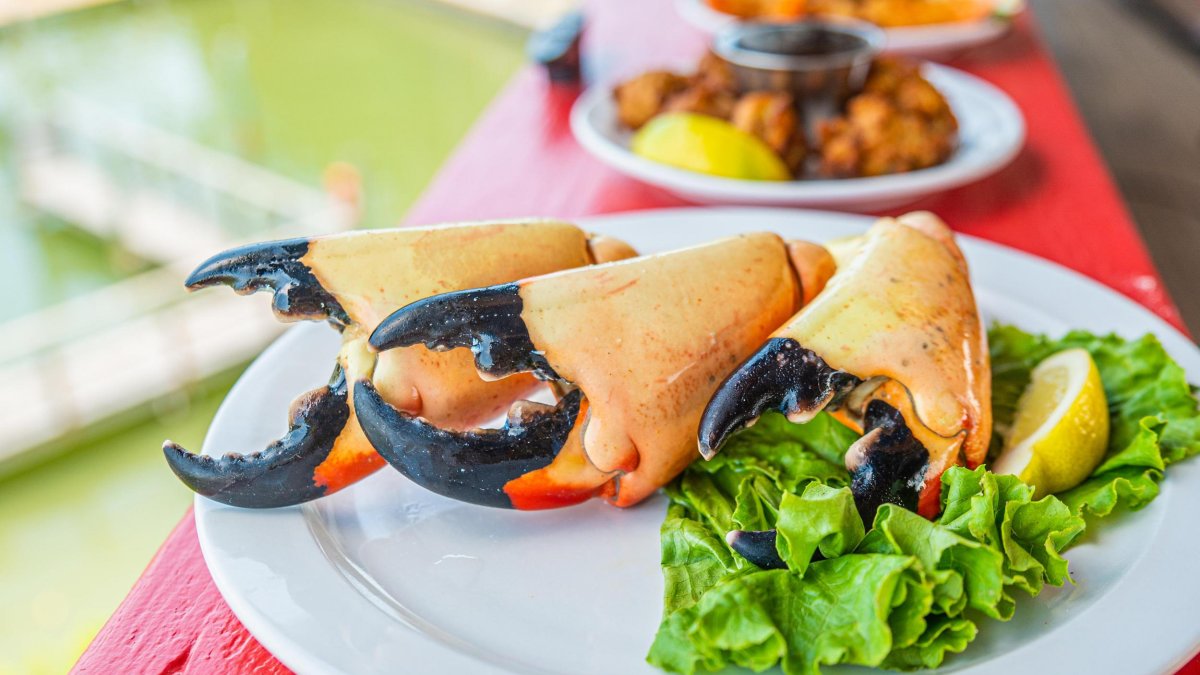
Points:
(890, 13)
(715, 73)
(900, 122)
(703, 100)
(641, 98)
(709, 91)
(762, 9)
(772, 117)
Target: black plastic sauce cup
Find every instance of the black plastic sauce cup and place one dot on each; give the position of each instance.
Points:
(820, 63)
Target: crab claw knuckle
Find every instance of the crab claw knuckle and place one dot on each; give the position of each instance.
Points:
(276, 265)
(283, 473)
(609, 249)
(470, 466)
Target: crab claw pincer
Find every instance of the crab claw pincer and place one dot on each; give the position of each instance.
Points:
(470, 466)
(893, 348)
(353, 280)
(279, 266)
(268, 478)
(644, 342)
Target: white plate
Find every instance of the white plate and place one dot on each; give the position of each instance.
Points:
(934, 40)
(991, 133)
(385, 577)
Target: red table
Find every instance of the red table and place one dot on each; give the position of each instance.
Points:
(1056, 200)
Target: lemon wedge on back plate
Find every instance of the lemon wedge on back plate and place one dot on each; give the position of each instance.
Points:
(1060, 431)
(708, 145)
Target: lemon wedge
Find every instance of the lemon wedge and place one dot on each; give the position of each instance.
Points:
(708, 145)
(1060, 431)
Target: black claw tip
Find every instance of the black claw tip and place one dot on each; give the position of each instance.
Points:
(781, 375)
(487, 320)
(280, 475)
(888, 464)
(471, 466)
(758, 547)
(275, 265)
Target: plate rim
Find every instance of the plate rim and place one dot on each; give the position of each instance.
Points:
(297, 655)
(937, 38)
(835, 193)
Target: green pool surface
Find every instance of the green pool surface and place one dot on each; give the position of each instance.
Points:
(388, 85)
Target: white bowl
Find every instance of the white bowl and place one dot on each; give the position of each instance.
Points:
(991, 133)
(932, 40)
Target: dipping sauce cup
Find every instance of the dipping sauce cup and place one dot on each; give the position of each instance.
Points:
(820, 63)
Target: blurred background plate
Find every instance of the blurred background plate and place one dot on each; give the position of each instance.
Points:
(934, 40)
(387, 577)
(991, 133)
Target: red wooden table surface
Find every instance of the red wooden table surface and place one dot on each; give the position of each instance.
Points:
(1056, 200)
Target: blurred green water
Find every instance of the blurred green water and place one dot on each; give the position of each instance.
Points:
(389, 86)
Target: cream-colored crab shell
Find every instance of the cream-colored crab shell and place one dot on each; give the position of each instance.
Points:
(649, 340)
(901, 307)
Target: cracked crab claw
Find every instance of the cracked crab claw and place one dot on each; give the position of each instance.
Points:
(894, 348)
(352, 281)
(634, 349)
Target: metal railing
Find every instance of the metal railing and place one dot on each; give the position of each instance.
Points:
(170, 201)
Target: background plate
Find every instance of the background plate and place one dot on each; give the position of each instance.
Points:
(386, 577)
(991, 133)
(928, 41)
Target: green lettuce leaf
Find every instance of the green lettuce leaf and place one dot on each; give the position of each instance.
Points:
(943, 635)
(789, 454)
(719, 610)
(757, 503)
(1152, 409)
(1140, 380)
(851, 609)
(823, 518)
(1128, 478)
(965, 573)
(705, 500)
(998, 511)
(694, 559)
(898, 595)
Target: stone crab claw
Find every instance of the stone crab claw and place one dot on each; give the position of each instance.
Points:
(633, 351)
(352, 281)
(894, 348)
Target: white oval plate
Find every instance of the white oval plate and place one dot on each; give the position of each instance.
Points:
(929, 41)
(991, 133)
(385, 577)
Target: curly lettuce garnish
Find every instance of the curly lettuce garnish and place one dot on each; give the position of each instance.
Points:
(903, 592)
(1152, 409)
